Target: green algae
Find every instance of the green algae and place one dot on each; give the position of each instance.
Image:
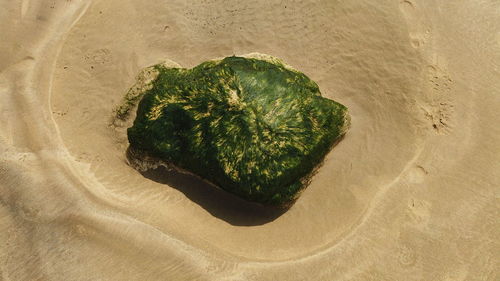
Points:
(253, 127)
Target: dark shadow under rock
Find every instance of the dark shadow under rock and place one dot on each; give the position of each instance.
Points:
(217, 202)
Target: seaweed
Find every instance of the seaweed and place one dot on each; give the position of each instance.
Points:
(253, 127)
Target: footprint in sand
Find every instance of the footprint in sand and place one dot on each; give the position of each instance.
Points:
(406, 256)
(417, 35)
(419, 211)
(439, 108)
(417, 174)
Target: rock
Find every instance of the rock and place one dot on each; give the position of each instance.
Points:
(254, 127)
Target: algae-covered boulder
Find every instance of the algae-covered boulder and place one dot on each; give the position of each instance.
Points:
(253, 127)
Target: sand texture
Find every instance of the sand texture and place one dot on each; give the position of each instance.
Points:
(411, 192)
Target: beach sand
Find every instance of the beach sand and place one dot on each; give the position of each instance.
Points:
(410, 193)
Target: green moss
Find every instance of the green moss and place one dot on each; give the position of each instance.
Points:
(253, 127)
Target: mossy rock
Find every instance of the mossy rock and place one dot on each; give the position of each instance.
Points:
(254, 127)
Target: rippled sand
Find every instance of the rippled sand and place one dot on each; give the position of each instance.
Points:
(411, 193)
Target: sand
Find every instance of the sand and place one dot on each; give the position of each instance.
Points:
(411, 192)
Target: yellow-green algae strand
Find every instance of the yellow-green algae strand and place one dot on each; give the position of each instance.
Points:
(253, 127)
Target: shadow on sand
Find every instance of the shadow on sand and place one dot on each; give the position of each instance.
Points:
(217, 202)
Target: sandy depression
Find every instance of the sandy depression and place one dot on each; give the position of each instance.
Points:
(411, 193)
